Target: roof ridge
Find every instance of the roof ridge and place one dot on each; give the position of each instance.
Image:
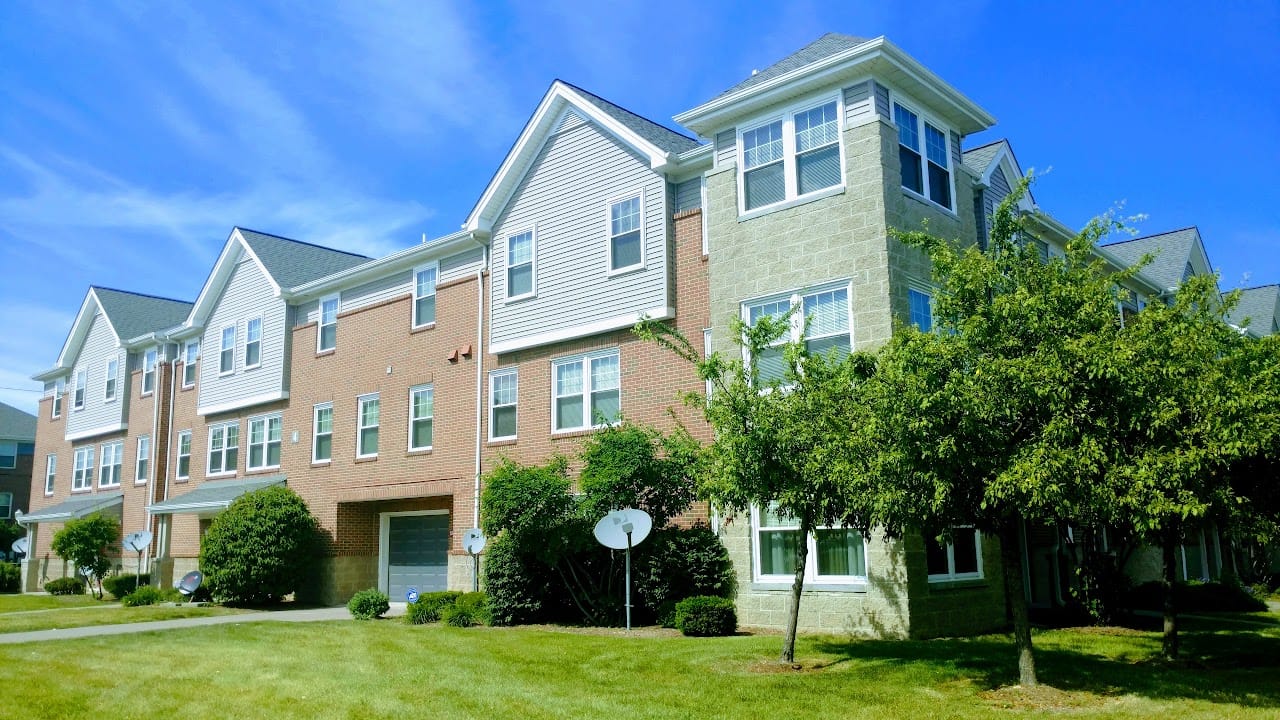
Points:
(301, 242)
(140, 294)
(631, 112)
(1154, 235)
(984, 145)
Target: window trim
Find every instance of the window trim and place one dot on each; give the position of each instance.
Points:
(111, 381)
(142, 460)
(361, 427)
(951, 575)
(493, 374)
(584, 360)
(265, 420)
(50, 473)
(80, 389)
(189, 360)
(151, 356)
(532, 230)
(433, 266)
(610, 271)
(430, 388)
(249, 341)
(82, 467)
(315, 432)
(117, 455)
(811, 576)
(336, 299)
(790, 193)
(59, 392)
(226, 446)
(177, 470)
(922, 118)
(795, 299)
(223, 350)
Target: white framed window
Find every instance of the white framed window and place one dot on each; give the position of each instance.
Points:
(50, 472)
(227, 351)
(82, 472)
(924, 152)
(958, 559)
(264, 441)
(322, 433)
(422, 411)
(142, 464)
(112, 464)
(367, 421)
(521, 266)
(184, 455)
(327, 335)
(190, 355)
(59, 391)
(626, 234)
(6, 505)
(585, 391)
(706, 353)
(827, 312)
(253, 343)
(82, 380)
(113, 380)
(424, 294)
(836, 554)
(504, 395)
(224, 448)
(8, 454)
(149, 371)
(921, 309)
(792, 156)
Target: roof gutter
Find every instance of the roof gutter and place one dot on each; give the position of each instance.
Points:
(370, 270)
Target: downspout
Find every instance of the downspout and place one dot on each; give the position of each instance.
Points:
(480, 354)
(168, 461)
(155, 429)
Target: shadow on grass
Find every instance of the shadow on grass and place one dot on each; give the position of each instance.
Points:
(1224, 666)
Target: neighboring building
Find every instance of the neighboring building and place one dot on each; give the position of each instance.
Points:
(381, 389)
(17, 448)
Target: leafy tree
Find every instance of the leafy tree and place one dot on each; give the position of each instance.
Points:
(630, 465)
(778, 439)
(89, 544)
(9, 532)
(261, 548)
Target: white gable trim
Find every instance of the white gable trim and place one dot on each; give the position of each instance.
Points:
(80, 329)
(221, 275)
(531, 140)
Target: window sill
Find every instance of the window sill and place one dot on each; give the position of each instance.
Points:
(422, 328)
(48, 494)
(136, 483)
(417, 451)
(107, 401)
(181, 480)
(109, 487)
(366, 459)
(247, 368)
(323, 353)
(520, 298)
(262, 470)
(502, 442)
(82, 491)
(956, 584)
(793, 202)
(185, 388)
(321, 463)
(857, 587)
(575, 432)
(625, 271)
(913, 195)
(226, 374)
(220, 476)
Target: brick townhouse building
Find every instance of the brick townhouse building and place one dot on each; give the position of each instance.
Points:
(380, 389)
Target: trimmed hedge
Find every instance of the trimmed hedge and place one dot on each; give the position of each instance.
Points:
(120, 586)
(261, 548)
(469, 609)
(145, 595)
(65, 586)
(706, 616)
(368, 604)
(10, 577)
(428, 607)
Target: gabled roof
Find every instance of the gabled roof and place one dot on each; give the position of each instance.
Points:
(984, 160)
(980, 158)
(1260, 305)
(820, 49)
(650, 140)
(1171, 251)
(134, 314)
(16, 424)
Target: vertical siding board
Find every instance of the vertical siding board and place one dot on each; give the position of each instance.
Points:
(248, 294)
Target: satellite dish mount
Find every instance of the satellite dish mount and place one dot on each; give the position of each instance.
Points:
(620, 530)
(473, 541)
(138, 542)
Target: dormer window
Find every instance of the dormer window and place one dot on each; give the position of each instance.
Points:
(791, 157)
(927, 173)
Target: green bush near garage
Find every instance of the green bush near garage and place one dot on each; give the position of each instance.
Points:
(368, 604)
(469, 609)
(428, 606)
(262, 548)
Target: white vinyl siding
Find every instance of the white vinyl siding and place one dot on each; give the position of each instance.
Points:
(91, 413)
(184, 455)
(191, 355)
(586, 391)
(142, 460)
(327, 334)
(504, 394)
(836, 555)
(248, 295)
(82, 473)
(424, 295)
(960, 558)
(149, 372)
(112, 464)
(791, 156)
(224, 448)
(264, 442)
(50, 472)
(322, 433)
(521, 264)
(367, 422)
(113, 380)
(421, 417)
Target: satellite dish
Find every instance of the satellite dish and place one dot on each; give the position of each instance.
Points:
(21, 545)
(473, 541)
(137, 541)
(189, 582)
(613, 529)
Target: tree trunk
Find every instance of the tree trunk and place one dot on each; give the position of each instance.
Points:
(793, 617)
(1011, 559)
(1169, 643)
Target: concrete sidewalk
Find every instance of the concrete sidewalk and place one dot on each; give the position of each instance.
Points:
(309, 615)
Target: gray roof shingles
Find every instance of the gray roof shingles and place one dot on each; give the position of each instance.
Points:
(135, 314)
(1259, 305)
(980, 158)
(819, 49)
(663, 137)
(293, 262)
(1170, 252)
(16, 424)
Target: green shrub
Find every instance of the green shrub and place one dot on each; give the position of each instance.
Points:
(469, 609)
(145, 595)
(121, 585)
(261, 548)
(65, 586)
(10, 577)
(519, 586)
(706, 616)
(676, 563)
(1196, 596)
(368, 604)
(427, 608)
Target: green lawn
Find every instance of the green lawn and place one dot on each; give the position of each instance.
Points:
(26, 603)
(105, 614)
(385, 669)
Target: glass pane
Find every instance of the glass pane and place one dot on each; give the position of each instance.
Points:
(762, 145)
(921, 313)
(624, 216)
(504, 389)
(908, 129)
(328, 337)
(939, 185)
(568, 379)
(764, 186)
(369, 413)
(778, 551)
(504, 422)
(604, 406)
(254, 334)
(626, 250)
(569, 412)
(775, 310)
(1196, 569)
(423, 404)
(818, 169)
(912, 178)
(324, 420)
(519, 280)
(273, 429)
(965, 543)
(273, 453)
(935, 554)
(827, 312)
(257, 429)
(233, 459)
(770, 364)
(841, 552)
(369, 441)
(816, 127)
(184, 466)
(822, 346)
(520, 249)
(424, 282)
(935, 143)
(328, 311)
(422, 433)
(425, 307)
(604, 373)
(324, 447)
(255, 456)
(772, 517)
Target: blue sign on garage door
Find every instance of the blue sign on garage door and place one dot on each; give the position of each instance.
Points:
(417, 553)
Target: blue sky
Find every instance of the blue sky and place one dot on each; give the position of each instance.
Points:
(134, 136)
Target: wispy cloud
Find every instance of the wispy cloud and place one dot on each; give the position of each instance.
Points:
(30, 330)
